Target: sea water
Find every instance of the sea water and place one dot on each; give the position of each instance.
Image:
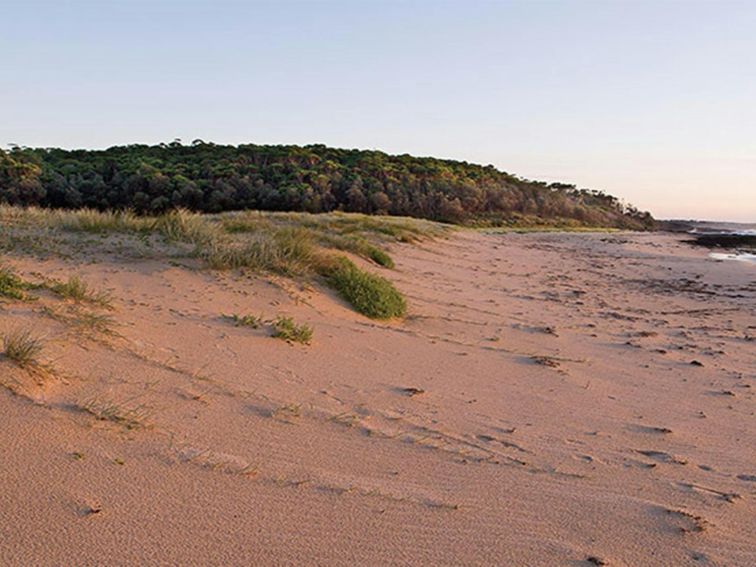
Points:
(742, 257)
(738, 256)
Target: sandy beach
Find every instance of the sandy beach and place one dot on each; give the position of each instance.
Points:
(549, 399)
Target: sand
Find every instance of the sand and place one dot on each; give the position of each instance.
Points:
(550, 399)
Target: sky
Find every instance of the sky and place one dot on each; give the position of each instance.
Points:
(654, 102)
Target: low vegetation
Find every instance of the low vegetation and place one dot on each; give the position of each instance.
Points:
(285, 328)
(129, 416)
(371, 295)
(298, 245)
(23, 348)
(252, 321)
(82, 321)
(12, 286)
(76, 289)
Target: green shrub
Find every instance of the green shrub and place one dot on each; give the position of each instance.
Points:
(371, 295)
(285, 328)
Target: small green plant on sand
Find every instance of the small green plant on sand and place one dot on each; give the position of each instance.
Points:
(12, 286)
(253, 321)
(82, 320)
(77, 289)
(22, 347)
(131, 417)
(371, 295)
(285, 328)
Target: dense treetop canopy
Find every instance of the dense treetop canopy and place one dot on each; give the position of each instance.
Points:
(210, 177)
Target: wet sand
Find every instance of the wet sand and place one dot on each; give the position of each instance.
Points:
(550, 399)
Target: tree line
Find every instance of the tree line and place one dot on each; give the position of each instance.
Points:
(208, 177)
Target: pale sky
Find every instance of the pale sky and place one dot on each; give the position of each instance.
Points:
(654, 102)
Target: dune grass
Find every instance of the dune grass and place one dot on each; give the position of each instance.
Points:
(22, 347)
(290, 244)
(76, 289)
(287, 251)
(371, 295)
(83, 321)
(89, 220)
(287, 329)
(129, 416)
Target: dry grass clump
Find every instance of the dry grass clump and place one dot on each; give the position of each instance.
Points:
(90, 220)
(400, 229)
(76, 289)
(288, 252)
(285, 328)
(371, 295)
(182, 225)
(82, 321)
(81, 220)
(131, 417)
(23, 348)
(12, 286)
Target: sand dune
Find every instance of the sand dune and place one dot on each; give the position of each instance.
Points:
(550, 399)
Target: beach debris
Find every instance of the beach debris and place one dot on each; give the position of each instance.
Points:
(410, 392)
(653, 429)
(696, 363)
(549, 361)
(593, 560)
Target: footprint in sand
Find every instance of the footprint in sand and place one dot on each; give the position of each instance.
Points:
(681, 521)
(726, 496)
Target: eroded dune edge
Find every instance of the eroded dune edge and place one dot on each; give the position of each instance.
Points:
(573, 399)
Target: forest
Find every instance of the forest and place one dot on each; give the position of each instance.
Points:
(207, 177)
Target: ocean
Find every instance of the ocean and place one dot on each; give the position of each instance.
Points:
(736, 240)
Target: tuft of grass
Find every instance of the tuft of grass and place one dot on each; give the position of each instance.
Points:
(99, 222)
(12, 286)
(78, 290)
(131, 417)
(285, 328)
(181, 225)
(81, 320)
(22, 347)
(380, 256)
(252, 321)
(371, 295)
